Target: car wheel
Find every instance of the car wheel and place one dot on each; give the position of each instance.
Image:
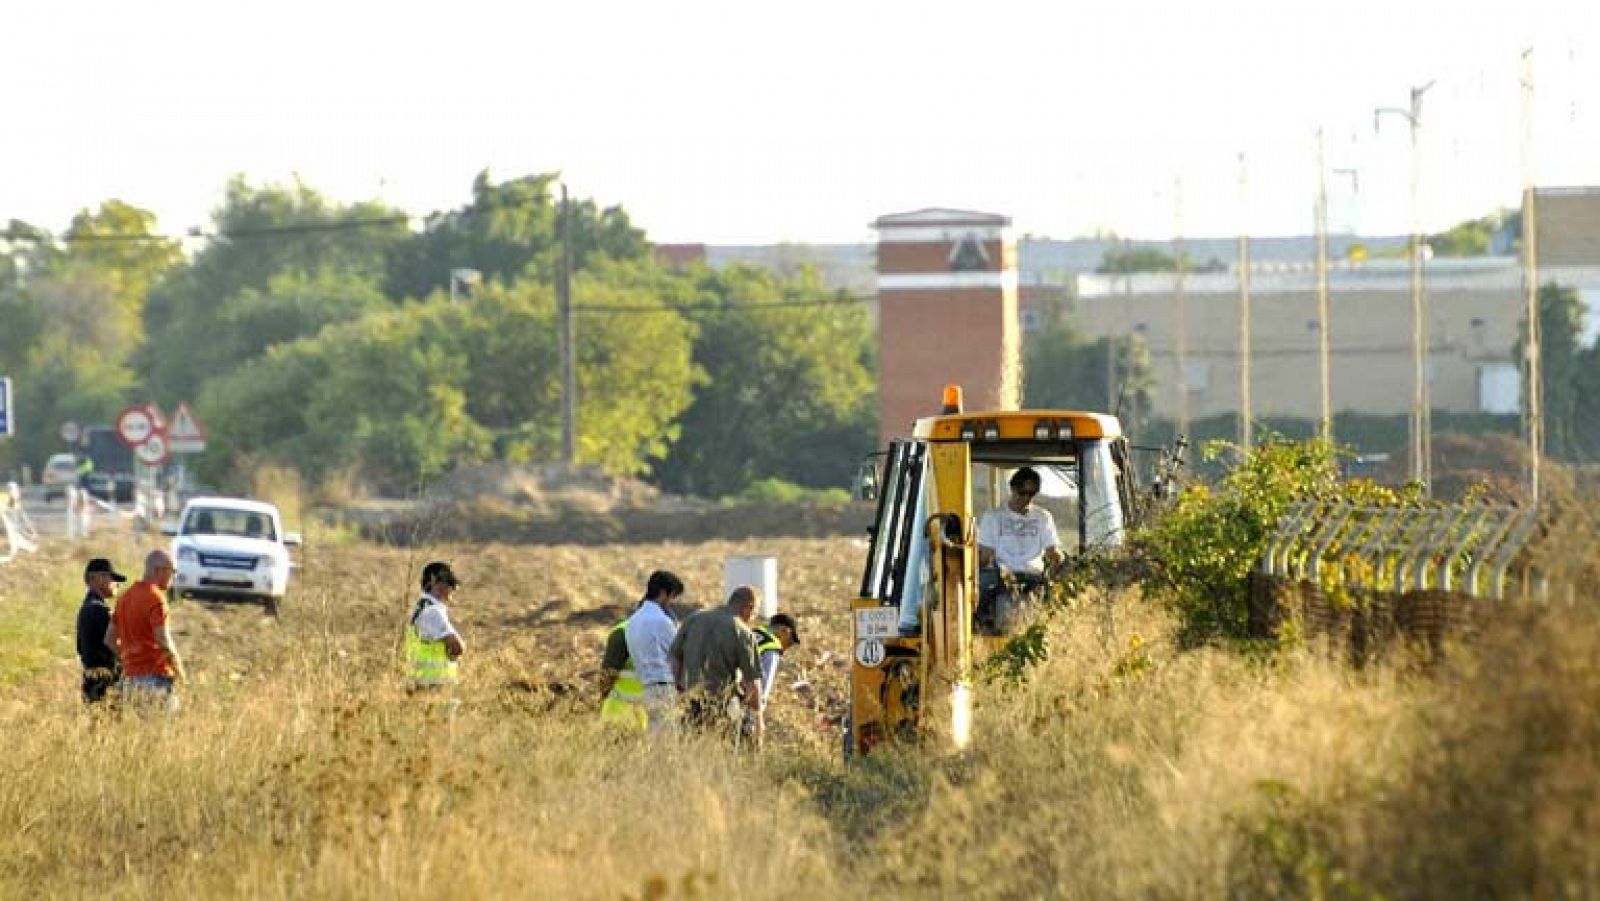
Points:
(269, 604)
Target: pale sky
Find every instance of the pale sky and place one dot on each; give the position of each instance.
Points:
(757, 122)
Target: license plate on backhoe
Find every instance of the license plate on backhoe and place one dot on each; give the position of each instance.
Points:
(878, 622)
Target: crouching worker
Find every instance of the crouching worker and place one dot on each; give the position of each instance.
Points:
(432, 646)
(623, 706)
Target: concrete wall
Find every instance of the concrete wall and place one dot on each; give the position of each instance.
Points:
(1473, 324)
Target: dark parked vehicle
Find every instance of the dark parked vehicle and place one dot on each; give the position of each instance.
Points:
(112, 479)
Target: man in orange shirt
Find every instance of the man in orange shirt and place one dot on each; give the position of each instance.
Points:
(139, 634)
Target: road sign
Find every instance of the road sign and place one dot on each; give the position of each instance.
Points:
(153, 450)
(6, 425)
(70, 432)
(158, 418)
(135, 425)
(185, 435)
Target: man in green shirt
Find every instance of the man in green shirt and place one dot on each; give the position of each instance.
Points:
(714, 661)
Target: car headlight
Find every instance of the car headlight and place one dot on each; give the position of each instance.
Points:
(187, 555)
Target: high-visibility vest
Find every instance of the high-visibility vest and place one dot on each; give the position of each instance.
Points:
(766, 641)
(428, 663)
(624, 705)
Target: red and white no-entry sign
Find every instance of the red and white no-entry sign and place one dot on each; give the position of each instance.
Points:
(135, 425)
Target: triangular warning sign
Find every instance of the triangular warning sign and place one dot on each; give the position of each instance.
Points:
(184, 433)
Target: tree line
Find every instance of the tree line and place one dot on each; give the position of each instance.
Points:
(322, 337)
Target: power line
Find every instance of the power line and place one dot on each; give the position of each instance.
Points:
(696, 311)
(266, 231)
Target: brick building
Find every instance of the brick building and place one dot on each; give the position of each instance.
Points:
(947, 312)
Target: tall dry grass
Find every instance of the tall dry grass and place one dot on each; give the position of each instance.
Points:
(1125, 768)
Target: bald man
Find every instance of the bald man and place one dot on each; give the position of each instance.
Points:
(715, 662)
(140, 635)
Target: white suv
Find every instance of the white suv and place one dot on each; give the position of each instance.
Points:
(231, 547)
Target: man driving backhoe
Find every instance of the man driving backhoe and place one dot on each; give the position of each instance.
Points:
(1017, 542)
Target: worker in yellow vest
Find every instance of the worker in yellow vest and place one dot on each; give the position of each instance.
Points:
(619, 683)
(433, 648)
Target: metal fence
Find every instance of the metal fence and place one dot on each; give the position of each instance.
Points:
(1475, 550)
(1371, 579)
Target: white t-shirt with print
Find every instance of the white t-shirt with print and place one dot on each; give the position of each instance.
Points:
(433, 623)
(1018, 540)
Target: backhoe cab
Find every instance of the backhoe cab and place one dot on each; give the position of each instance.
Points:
(917, 629)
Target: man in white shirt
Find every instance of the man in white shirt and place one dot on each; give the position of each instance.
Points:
(433, 647)
(1015, 539)
(650, 631)
(1019, 537)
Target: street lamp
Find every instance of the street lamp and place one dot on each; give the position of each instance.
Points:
(467, 278)
(1421, 414)
(1324, 366)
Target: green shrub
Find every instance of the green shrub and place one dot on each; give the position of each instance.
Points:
(1201, 552)
(778, 491)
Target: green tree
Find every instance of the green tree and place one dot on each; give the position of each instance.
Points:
(121, 243)
(373, 397)
(70, 318)
(1066, 371)
(790, 390)
(401, 395)
(1123, 259)
(634, 364)
(295, 304)
(260, 233)
(510, 228)
(1565, 370)
(64, 380)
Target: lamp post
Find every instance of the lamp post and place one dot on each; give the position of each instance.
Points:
(1246, 432)
(1533, 409)
(1324, 365)
(1421, 451)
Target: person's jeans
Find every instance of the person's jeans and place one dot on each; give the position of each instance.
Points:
(150, 693)
(660, 706)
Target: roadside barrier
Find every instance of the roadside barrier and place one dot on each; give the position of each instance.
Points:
(18, 531)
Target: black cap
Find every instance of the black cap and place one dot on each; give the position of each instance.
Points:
(439, 571)
(102, 565)
(784, 619)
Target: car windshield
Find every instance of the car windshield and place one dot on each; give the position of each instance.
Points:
(225, 521)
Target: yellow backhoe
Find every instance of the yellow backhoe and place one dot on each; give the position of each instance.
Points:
(918, 634)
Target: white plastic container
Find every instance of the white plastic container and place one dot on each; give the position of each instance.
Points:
(762, 572)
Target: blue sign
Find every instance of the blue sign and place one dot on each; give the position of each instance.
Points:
(6, 427)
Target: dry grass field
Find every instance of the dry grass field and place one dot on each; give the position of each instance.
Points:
(299, 769)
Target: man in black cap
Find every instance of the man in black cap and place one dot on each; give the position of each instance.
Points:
(100, 667)
(779, 634)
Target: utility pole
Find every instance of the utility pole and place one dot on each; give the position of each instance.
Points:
(569, 347)
(1113, 392)
(1246, 435)
(1530, 274)
(1181, 296)
(1421, 412)
(1326, 431)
